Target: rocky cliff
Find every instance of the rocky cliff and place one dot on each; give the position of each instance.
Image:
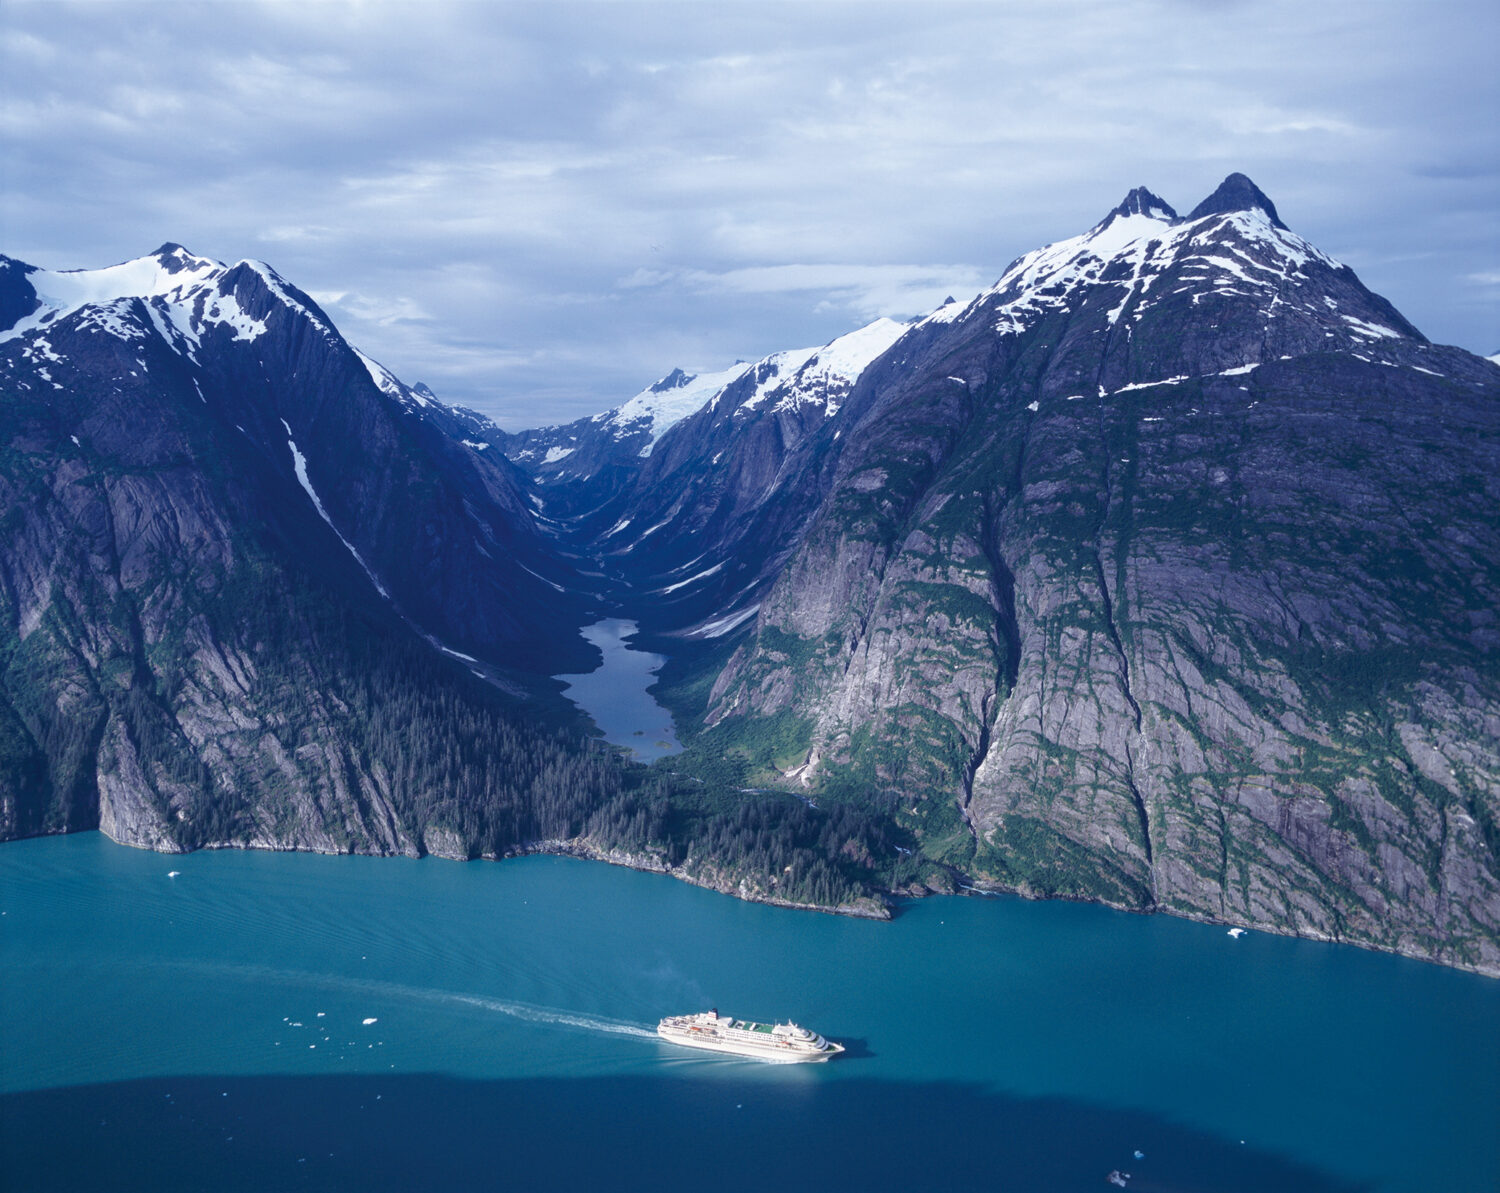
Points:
(254, 590)
(1162, 573)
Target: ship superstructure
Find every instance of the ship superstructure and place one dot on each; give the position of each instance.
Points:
(782, 1043)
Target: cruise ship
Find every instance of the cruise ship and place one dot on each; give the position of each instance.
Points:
(781, 1043)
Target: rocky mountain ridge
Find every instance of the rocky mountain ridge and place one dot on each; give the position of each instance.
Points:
(1161, 573)
(239, 561)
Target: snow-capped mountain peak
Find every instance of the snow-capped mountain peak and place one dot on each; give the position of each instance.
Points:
(1232, 245)
(824, 375)
(172, 292)
(676, 379)
(1237, 193)
(169, 273)
(659, 407)
(1140, 201)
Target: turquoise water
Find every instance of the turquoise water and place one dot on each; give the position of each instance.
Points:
(615, 693)
(209, 1030)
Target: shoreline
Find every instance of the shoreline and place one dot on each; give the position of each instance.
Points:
(881, 907)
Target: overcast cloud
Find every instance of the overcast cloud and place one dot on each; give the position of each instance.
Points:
(539, 209)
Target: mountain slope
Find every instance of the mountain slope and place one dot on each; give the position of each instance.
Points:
(243, 574)
(1162, 573)
(606, 449)
(691, 528)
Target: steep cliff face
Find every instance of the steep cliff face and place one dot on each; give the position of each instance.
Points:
(1163, 573)
(240, 566)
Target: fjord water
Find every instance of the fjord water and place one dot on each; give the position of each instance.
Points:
(615, 695)
(260, 1020)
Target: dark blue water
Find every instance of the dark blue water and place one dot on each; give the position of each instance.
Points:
(209, 1031)
(615, 694)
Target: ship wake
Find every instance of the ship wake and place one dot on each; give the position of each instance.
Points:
(561, 1018)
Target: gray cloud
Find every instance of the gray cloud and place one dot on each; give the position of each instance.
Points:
(540, 208)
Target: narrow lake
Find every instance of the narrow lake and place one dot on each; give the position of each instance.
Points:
(281, 1021)
(615, 695)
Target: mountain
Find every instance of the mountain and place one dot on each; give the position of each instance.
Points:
(1163, 573)
(604, 450)
(696, 507)
(257, 591)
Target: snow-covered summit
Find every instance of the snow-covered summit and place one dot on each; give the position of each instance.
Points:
(793, 380)
(1237, 193)
(825, 375)
(171, 274)
(1233, 244)
(172, 293)
(785, 380)
(1140, 201)
(661, 406)
(183, 296)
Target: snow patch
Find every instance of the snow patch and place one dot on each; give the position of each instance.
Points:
(1150, 384)
(722, 626)
(225, 310)
(386, 381)
(299, 465)
(703, 575)
(543, 579)
(1362, 327)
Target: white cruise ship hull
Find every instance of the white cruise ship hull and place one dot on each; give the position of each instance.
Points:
(748, 1040)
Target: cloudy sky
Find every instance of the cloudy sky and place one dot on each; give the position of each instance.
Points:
(539, 209)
